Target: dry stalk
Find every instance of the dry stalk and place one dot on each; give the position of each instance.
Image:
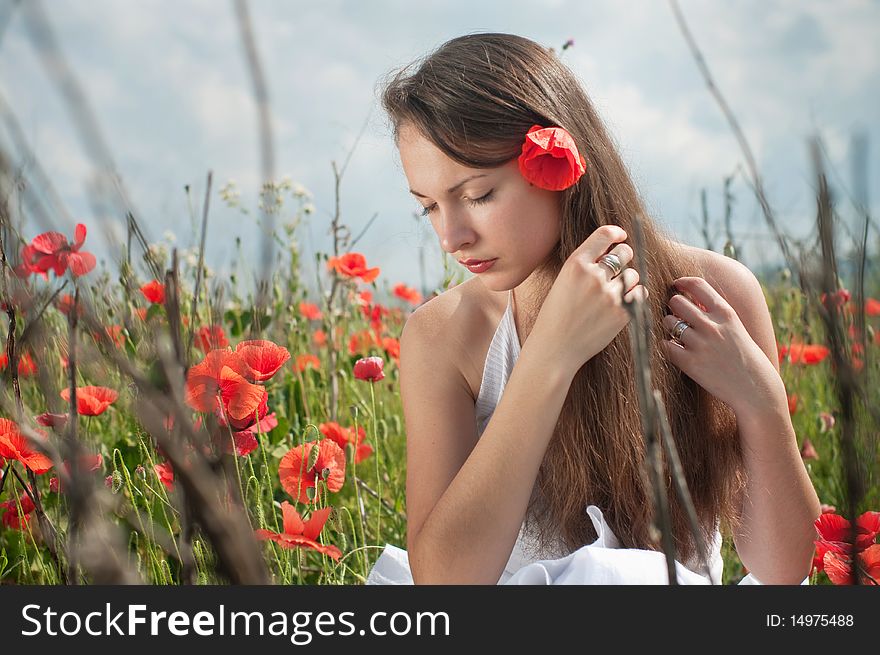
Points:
(846, 383)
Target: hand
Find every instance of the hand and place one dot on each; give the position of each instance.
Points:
(717, 351)
(584, 311)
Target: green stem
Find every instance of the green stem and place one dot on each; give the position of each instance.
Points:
(378, 477)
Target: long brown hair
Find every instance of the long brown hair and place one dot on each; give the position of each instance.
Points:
(475, 98)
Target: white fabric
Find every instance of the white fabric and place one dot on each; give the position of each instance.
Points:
(601, 562)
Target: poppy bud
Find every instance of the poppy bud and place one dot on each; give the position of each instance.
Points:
(313, 457)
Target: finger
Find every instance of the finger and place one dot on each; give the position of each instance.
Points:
(701, 292)
(624, 254)
(683, 307)
(637, 293)
(626, 280)
(600, 242)
(674, 353)
(671, 320)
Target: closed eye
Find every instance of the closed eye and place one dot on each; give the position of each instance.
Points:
(471, 201)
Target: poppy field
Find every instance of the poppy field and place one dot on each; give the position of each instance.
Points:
(159, 429)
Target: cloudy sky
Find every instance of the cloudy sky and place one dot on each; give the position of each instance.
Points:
(169, 87)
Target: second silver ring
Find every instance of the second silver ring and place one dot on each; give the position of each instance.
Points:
(612, 261)
(678, 329)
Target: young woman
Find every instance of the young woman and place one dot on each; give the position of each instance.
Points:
(525, 454)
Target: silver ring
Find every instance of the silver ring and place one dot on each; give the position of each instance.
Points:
(612, 261)
(678, 329)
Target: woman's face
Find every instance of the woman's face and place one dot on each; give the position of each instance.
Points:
(482, 213)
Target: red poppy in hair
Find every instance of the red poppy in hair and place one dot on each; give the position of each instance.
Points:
(550, 158)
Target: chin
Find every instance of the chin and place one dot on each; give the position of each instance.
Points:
(493, 282)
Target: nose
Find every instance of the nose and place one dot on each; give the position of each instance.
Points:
(455, 231)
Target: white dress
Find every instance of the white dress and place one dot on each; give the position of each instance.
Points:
(601, 562)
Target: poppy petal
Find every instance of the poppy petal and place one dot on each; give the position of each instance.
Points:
(315, 524)
(292, 521)
(265, 358)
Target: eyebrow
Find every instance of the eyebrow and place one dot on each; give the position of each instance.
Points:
(453, 188)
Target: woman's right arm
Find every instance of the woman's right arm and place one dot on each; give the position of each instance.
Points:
(467, 496)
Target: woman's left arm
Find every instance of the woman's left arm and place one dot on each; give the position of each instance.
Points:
(731, 352)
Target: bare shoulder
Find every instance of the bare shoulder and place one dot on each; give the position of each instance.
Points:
(436, 388)
(458, 326)
(737, 284)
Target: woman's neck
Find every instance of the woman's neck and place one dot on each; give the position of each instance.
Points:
(528, 298)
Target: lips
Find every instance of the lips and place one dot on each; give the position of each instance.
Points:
(477, 265)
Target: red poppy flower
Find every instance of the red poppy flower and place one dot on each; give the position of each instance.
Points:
(319, 338)
(550, 158)
(369, 368)
(51, 250)
(52, 420)
(165, 474)
(365, 297)
(343, 436)
(838, 566)
(210, 338)
(141, 313)
(13, 445)
(353, 264)
(247, 421)
(872, 307)
(408, 294)
(27, 367)
(264, 358)
(304, 361)
(834, 534)
(792, 403)
(28, 266)
(392, 347)
(154, 291)
(301, 535)
(223, 373)
(91, 401)
(297, 478)
(12, 518)
(800, 353)
(310, 311)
